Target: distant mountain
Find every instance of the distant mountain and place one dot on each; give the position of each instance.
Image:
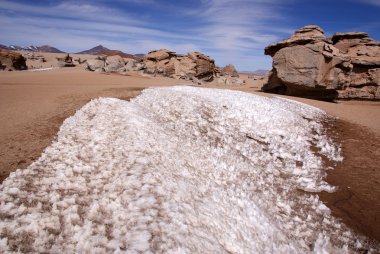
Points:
(256, 72)
(139, 55)
(49, 49)
(100, 50)
(44, 48)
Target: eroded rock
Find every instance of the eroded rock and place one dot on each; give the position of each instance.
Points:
(308, 64)
(10, 61)
(230, 70)
(193, 66)
(66, 61)
(94, 64)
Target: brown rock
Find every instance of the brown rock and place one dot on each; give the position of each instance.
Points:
(205, 66)
(303, 36)
(114, 63)
(10, 61)
(150, 67)
(350, 35)
(158, 55)
(230, 70)
(193, 66)
(311, 31)
(66, 61)
(347, 66)
(94, 64)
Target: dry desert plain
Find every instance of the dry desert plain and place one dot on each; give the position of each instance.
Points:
(34, 104)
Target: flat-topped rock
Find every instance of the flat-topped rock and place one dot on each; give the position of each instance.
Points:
(311, 31)
(158, 55)
(305, 35)
(349, 35)
(346, 66)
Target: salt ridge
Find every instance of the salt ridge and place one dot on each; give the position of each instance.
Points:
(178, 170)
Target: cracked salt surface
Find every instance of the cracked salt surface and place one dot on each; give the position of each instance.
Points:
(178, 170)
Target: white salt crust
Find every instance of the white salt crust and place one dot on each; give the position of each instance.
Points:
(178, 170)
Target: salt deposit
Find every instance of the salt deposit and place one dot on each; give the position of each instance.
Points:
(179, 170)
(44, 69)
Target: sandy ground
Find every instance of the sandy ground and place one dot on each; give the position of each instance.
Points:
(34, 104)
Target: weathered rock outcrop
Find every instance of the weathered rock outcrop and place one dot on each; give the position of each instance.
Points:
(66, 61)
(34, 57)
(95, 65)
(346, 66)
(230, 70)
(193, 66)
(10, 61)
(113, 64)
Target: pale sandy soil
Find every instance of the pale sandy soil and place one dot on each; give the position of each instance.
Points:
(34, 104)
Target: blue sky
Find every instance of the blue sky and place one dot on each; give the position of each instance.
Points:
(229, 31)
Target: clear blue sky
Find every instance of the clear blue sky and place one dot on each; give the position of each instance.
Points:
(229, 31)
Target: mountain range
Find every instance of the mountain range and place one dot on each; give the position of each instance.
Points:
(256, 72)
(44, 48)
(98, 50)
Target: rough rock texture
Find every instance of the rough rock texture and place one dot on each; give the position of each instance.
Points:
(94, 64)
(230, 70)
(66, 61)
(114, 63)
(34, 57)
(193, 66)
(10, 61)
(346, 66)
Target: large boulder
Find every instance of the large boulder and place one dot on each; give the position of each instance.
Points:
(193, 66)
(10, 61)
(230, 70)
(159, 55)
(114, 63)
(205, 66)
(94, 64)
(346, 66)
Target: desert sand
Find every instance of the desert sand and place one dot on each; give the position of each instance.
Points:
(34, 105)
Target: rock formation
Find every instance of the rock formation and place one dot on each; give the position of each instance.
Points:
(10, 61)
(346, 66)
(113, 64)
(34, 57)
(193, 66)
(95, 65)
(66, 61)
(230, 70)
